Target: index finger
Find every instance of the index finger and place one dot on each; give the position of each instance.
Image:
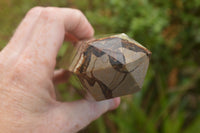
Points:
(48, 35)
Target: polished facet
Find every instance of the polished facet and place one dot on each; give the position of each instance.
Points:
(110, 67)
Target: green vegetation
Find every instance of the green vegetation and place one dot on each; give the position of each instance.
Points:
(170, 99)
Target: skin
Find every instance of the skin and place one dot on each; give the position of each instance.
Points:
(28, 101)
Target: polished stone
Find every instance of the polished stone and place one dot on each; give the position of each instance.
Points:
(110, 67)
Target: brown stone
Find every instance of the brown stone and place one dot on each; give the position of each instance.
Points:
(110, 67)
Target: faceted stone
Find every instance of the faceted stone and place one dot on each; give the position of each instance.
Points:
(110, 67)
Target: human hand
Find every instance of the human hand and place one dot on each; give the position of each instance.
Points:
(27, 93)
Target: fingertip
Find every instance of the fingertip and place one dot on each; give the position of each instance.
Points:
(77, 24)
(115, 103)
(91, 34)
(88, 33)
(61, 76)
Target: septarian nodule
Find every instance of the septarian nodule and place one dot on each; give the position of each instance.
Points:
(111, 67)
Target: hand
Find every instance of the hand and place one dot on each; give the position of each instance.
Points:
(28, 102)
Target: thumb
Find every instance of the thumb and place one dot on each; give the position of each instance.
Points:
(76, 115)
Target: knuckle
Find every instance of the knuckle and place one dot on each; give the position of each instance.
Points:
(23, 64)
(50, 9)
(79, 17)
(22, 69)
(78, 13)
(34, 10)
(48, 13)
(17, 73)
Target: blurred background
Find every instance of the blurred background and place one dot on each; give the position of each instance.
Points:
(170, 99)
